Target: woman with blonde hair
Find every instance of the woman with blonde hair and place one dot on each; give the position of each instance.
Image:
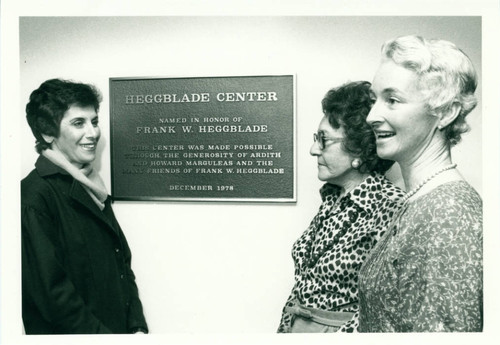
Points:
(425, 275)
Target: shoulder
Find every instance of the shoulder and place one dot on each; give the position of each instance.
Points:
(456, 197)
(35, 196)
(39, 191)
(33, 184)
(451, 212)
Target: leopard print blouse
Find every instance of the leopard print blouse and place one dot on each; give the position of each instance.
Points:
(330, 252)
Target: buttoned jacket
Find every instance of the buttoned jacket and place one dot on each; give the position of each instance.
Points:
(76, 263)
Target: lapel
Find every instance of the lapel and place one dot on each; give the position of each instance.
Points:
(76, 192)
(80, 195)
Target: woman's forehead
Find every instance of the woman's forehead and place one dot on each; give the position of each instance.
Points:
(76, 111)
(391, 75)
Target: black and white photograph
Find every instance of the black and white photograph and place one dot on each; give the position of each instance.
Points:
(226, 172)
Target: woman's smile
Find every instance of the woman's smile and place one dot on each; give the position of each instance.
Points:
(380, 135)
(89, 147)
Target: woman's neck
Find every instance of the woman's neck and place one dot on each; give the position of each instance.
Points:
(415, 174)
(416, 169)
(425, 175)
(62, 155)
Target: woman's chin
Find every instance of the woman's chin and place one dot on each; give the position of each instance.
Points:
(323, 178)
(86, 160)
(385, 154)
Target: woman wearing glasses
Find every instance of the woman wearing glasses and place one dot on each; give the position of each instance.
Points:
(358, 203)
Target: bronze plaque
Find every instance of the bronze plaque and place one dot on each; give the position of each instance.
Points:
(203, 139)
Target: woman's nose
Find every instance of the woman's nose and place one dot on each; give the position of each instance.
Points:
(315, 150)
(91, 131)
(374, 115)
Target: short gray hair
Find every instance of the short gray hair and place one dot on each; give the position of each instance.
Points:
(446, 76)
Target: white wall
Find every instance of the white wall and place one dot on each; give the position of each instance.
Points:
(225, 267)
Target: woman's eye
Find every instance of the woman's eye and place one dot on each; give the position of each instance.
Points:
(95, 123)
(392, 100)
(78, 124)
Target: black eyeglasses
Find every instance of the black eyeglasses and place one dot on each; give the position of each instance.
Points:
(321, 139)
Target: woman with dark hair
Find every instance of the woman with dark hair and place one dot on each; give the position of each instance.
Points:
(425, 275)
(76, 264)
(358, 202)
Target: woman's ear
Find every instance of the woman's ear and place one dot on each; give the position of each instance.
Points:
(449, 116)
(48, 138)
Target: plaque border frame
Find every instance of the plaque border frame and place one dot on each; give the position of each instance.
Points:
(226, 200)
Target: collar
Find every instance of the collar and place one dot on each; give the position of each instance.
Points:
(46, 168)
(364, 195)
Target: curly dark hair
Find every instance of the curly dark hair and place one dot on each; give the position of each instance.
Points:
(347, 106)
(51, 100)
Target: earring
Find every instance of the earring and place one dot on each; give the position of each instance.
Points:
(441, 127)
(356, 162)
(48, 138)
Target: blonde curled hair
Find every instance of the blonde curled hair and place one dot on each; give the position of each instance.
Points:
(446, 76)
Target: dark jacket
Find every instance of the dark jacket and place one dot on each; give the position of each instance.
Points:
(76, 263)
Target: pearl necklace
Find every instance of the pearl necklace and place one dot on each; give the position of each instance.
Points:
(417, 188)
